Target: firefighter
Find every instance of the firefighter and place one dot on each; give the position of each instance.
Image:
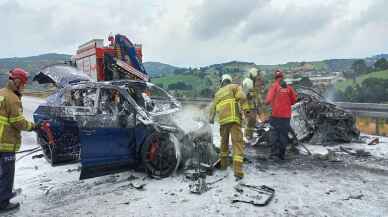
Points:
(281, 97)
(11, 123)
(255, 76)
(252, 87)
(226, 104)
(251, 111)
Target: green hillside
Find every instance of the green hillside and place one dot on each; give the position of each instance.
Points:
(156, 68)
(32, 64)
(342, 85)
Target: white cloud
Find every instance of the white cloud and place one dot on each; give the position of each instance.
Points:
(201, 32)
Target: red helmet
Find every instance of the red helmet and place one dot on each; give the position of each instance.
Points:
(278, 74)
(18, 73)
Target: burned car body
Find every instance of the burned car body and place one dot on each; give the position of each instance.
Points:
(110, 126)
(320, 122)
(316, 121)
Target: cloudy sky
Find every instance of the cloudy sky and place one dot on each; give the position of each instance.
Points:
(201, 32)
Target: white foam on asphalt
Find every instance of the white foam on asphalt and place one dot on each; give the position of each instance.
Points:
(56, 191)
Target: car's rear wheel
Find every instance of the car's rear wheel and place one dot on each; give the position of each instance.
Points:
(160, 154)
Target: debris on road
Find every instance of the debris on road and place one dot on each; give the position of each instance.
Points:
(74, 170)
(357, 153)
(374, 141)
(354, 197)
(252, 194)
(37, 156)
(136, 185)
(329, 156)
(330, 191)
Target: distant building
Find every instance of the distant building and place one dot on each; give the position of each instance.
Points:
(318, 80)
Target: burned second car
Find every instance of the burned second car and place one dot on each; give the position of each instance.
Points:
(109, 126)
(316, 121)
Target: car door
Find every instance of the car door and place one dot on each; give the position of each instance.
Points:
(107, 139)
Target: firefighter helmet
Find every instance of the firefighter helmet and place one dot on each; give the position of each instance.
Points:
(253, 72)
(18, 73)
(247, 84)
(226, 77)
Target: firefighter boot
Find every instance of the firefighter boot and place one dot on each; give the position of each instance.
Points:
(223, 163)
(237, 167)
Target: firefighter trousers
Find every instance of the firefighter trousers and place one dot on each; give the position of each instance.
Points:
(7, 172)
(279, 136)
(234, 131)
(250, 123)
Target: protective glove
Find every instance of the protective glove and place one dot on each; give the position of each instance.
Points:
(36, 127)
(33, 127)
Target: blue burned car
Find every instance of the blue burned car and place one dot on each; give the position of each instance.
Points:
(109, 126)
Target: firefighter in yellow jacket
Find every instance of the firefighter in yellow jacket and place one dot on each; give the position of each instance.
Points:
(251, 113)
(12, 123)
(252, 88)
(226, 104)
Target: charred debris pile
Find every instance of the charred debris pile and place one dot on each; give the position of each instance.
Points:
(316, 121)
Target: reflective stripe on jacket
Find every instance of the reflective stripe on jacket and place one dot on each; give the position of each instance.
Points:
(251, 100)
(12, 121)
(226, 104)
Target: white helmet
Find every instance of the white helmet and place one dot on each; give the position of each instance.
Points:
(253, 72)
(226, 77)
(247, 84)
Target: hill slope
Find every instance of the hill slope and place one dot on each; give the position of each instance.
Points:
(157, 68)
(342, 85)
(32, 64)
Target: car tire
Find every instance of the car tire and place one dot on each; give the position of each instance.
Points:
(160, 154)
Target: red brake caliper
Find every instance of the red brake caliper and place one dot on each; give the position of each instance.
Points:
(46, 128)
(153, 149)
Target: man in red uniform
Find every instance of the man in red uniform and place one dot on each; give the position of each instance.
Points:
(280, 97)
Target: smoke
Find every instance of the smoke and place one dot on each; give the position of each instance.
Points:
(190, 118)
(329, 94)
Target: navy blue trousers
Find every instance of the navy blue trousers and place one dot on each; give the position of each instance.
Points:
(279, 135)
(7, 172)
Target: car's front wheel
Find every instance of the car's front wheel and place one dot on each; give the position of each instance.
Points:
(160, 154)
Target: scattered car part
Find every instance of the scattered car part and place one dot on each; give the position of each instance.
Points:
(374, 141)
(253, 194)
(138, 186)
(38, 156)
(296, 141)
(354, 197)
(358, 152)
(199, 185)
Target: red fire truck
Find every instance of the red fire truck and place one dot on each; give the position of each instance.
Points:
(120, 59)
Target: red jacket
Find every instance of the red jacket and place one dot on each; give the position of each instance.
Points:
(281, 100)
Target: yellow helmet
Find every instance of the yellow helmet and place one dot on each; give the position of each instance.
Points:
(226, 77)
(253, 72)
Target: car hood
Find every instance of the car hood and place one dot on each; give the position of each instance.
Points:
(60, 75)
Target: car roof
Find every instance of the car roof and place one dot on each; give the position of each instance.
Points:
(111, 84)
